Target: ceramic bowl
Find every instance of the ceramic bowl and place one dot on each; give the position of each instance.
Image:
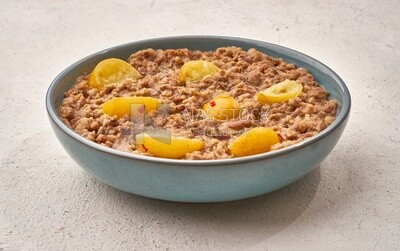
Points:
(199, 180)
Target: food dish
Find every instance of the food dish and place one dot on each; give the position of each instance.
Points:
(199, 180)
(197, 105)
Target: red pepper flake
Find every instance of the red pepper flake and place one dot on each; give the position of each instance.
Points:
(143, 147)
(280, 137)
(212, 103)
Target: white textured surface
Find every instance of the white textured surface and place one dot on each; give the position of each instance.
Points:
(352, 201)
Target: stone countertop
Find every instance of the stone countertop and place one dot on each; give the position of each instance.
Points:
(351, 201)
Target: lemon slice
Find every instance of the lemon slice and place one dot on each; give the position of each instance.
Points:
(121, 106)
(165, 146)
(111, 70)
(196, 70)
(254, 141)
(280, 92)
(222, 107)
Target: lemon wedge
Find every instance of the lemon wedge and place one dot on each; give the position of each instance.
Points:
(222, 108)
(120, 106)
(196, 70)
(166, 146)
(280, 92)
(111, 70)
(254, 141)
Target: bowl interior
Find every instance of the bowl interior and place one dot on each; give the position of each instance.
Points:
(325, 76)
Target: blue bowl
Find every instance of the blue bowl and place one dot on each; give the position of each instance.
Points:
(199, 180)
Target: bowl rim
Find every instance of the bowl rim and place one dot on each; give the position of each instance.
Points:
(340, 118)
